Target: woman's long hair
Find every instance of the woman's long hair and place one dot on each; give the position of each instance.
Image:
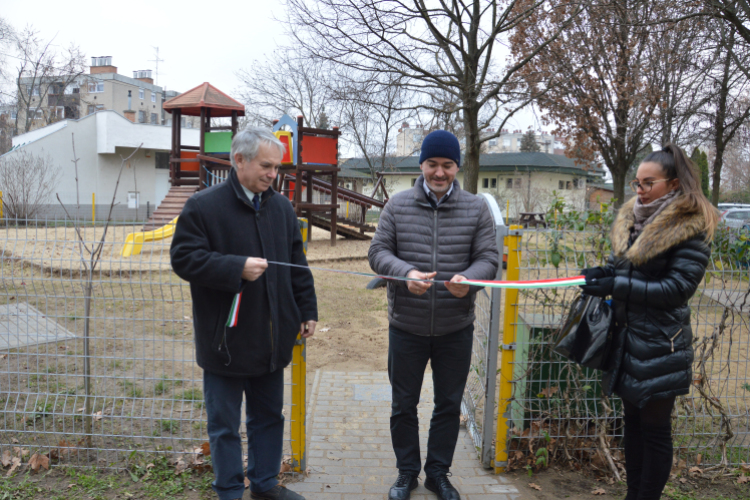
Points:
(677, 165)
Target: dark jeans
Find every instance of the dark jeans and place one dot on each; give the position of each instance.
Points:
(450, 359)
(648, 448)
(265, 430)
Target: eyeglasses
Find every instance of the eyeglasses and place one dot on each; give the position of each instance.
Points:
(645, 186)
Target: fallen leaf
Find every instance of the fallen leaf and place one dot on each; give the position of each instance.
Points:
(683, 480)
(20, 452)
(37, 461)
(743, 479)
(463, 419)
(535, 486)
(72, 485)
(698, 459)
(3, 356)
(745, 467)
(80, 409)
(695, 471)
(247, 483)
(610, 480)
(548, 392)
(97, 416)
(179, 467)
(599, 491)
(285, 468)
(206, 449)
(6, 458)
(14, 441)
(15, 464)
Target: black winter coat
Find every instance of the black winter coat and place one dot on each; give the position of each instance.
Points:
(655, 277)
(217, 231)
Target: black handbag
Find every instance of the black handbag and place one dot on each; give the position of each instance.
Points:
(586, 336)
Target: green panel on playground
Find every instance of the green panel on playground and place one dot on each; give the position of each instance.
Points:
(218, 142)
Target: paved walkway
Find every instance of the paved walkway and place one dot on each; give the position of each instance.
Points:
(350, 455)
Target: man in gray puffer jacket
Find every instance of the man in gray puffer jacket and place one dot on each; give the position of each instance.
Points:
(444, 235)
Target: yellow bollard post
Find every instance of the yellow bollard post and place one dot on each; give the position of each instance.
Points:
(507, 356)
(93, 209)
(299, 390)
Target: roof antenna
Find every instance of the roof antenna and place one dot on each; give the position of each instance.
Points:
(156, 60)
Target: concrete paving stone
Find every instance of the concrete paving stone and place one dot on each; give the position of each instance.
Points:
(377, 454)
(341, 470)
(362, 462)
(305, 486)
(478, 480)
(465, 489)
(325, 446)
(363, 479)
(318, 438)
(344, 454)
(344, 439)
(377, 440)
(324, 496)
(311, 453)
(343, 488)
(500, 488)
(376, 427)
(323, 478)
(379, 488)
(360, 447)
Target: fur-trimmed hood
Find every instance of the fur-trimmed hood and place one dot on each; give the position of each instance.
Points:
(675, 224)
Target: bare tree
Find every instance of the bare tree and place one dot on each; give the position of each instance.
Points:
(27, 182)
(448, 47)
(285, 83)
(43, 77)
(596, 83)
(729, 106)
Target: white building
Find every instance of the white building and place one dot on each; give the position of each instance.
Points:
(521, 182)
(102, 139)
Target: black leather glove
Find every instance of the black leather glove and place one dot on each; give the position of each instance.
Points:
(599, 287)
(598, 272)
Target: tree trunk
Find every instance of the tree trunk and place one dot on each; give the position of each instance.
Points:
(718, 164)
(618, 179)
(470, 164)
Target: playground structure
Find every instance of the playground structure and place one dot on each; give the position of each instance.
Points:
(311, 161)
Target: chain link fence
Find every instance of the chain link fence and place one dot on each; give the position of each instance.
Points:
(557, 405)
(97, 362)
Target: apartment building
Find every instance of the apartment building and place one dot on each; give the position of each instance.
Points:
(136, 98)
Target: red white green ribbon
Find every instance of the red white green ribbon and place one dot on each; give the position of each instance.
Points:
(234, 312)
(550, 283)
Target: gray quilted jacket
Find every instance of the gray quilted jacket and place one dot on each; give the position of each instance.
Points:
(458, 237)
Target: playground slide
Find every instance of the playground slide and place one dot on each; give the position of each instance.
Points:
(134, 241)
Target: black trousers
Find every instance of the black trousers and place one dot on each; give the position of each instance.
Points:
(648, 448)
(450, 359)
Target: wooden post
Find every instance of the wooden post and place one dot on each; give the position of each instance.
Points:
(235, 123)
(298, 172)
(334, 201)
(201, 163)
(178, 143)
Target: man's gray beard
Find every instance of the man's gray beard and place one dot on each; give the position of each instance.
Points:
(447, 188)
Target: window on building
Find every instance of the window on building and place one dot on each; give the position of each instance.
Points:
(32, 89)
(39, 114)
(509, 184)
(162, 160)
(58, 112)
(560, 184)
(517, 183)
(492, 143)
(95, 87)
(493, 184)
(567, 185)
(575, 183)
(154, 118)
(73, 88)
(141, 93)
(141, 117)
(506, 142)
(13, 114)
(153, 96)
(485, 183)
(92, 108)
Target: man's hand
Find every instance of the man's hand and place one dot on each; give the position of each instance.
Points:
(457, 290)
(308, 329)
(419, 287)
(254, 267)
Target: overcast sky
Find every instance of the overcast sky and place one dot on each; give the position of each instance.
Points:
(198, 41)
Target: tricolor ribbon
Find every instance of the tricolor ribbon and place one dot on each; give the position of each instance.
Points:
(531, 284)
(234, 312)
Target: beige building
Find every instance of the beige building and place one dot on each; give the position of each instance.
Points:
(138, 99)
(409, 141)
(521, 182)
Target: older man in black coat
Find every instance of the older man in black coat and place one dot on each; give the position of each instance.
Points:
(246, 313)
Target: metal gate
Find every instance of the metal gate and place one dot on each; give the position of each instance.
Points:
(478, 405)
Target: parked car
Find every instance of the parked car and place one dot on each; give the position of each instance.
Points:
(736, 217)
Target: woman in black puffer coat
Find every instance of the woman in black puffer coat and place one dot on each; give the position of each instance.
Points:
(660, 249)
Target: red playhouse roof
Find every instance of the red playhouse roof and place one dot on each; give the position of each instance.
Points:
(205, 95)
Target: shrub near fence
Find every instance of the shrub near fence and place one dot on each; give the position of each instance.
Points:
(144, 388)
(557, 412)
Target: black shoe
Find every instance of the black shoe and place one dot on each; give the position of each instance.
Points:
(278, 492)
(442, 487)
(401, 489)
